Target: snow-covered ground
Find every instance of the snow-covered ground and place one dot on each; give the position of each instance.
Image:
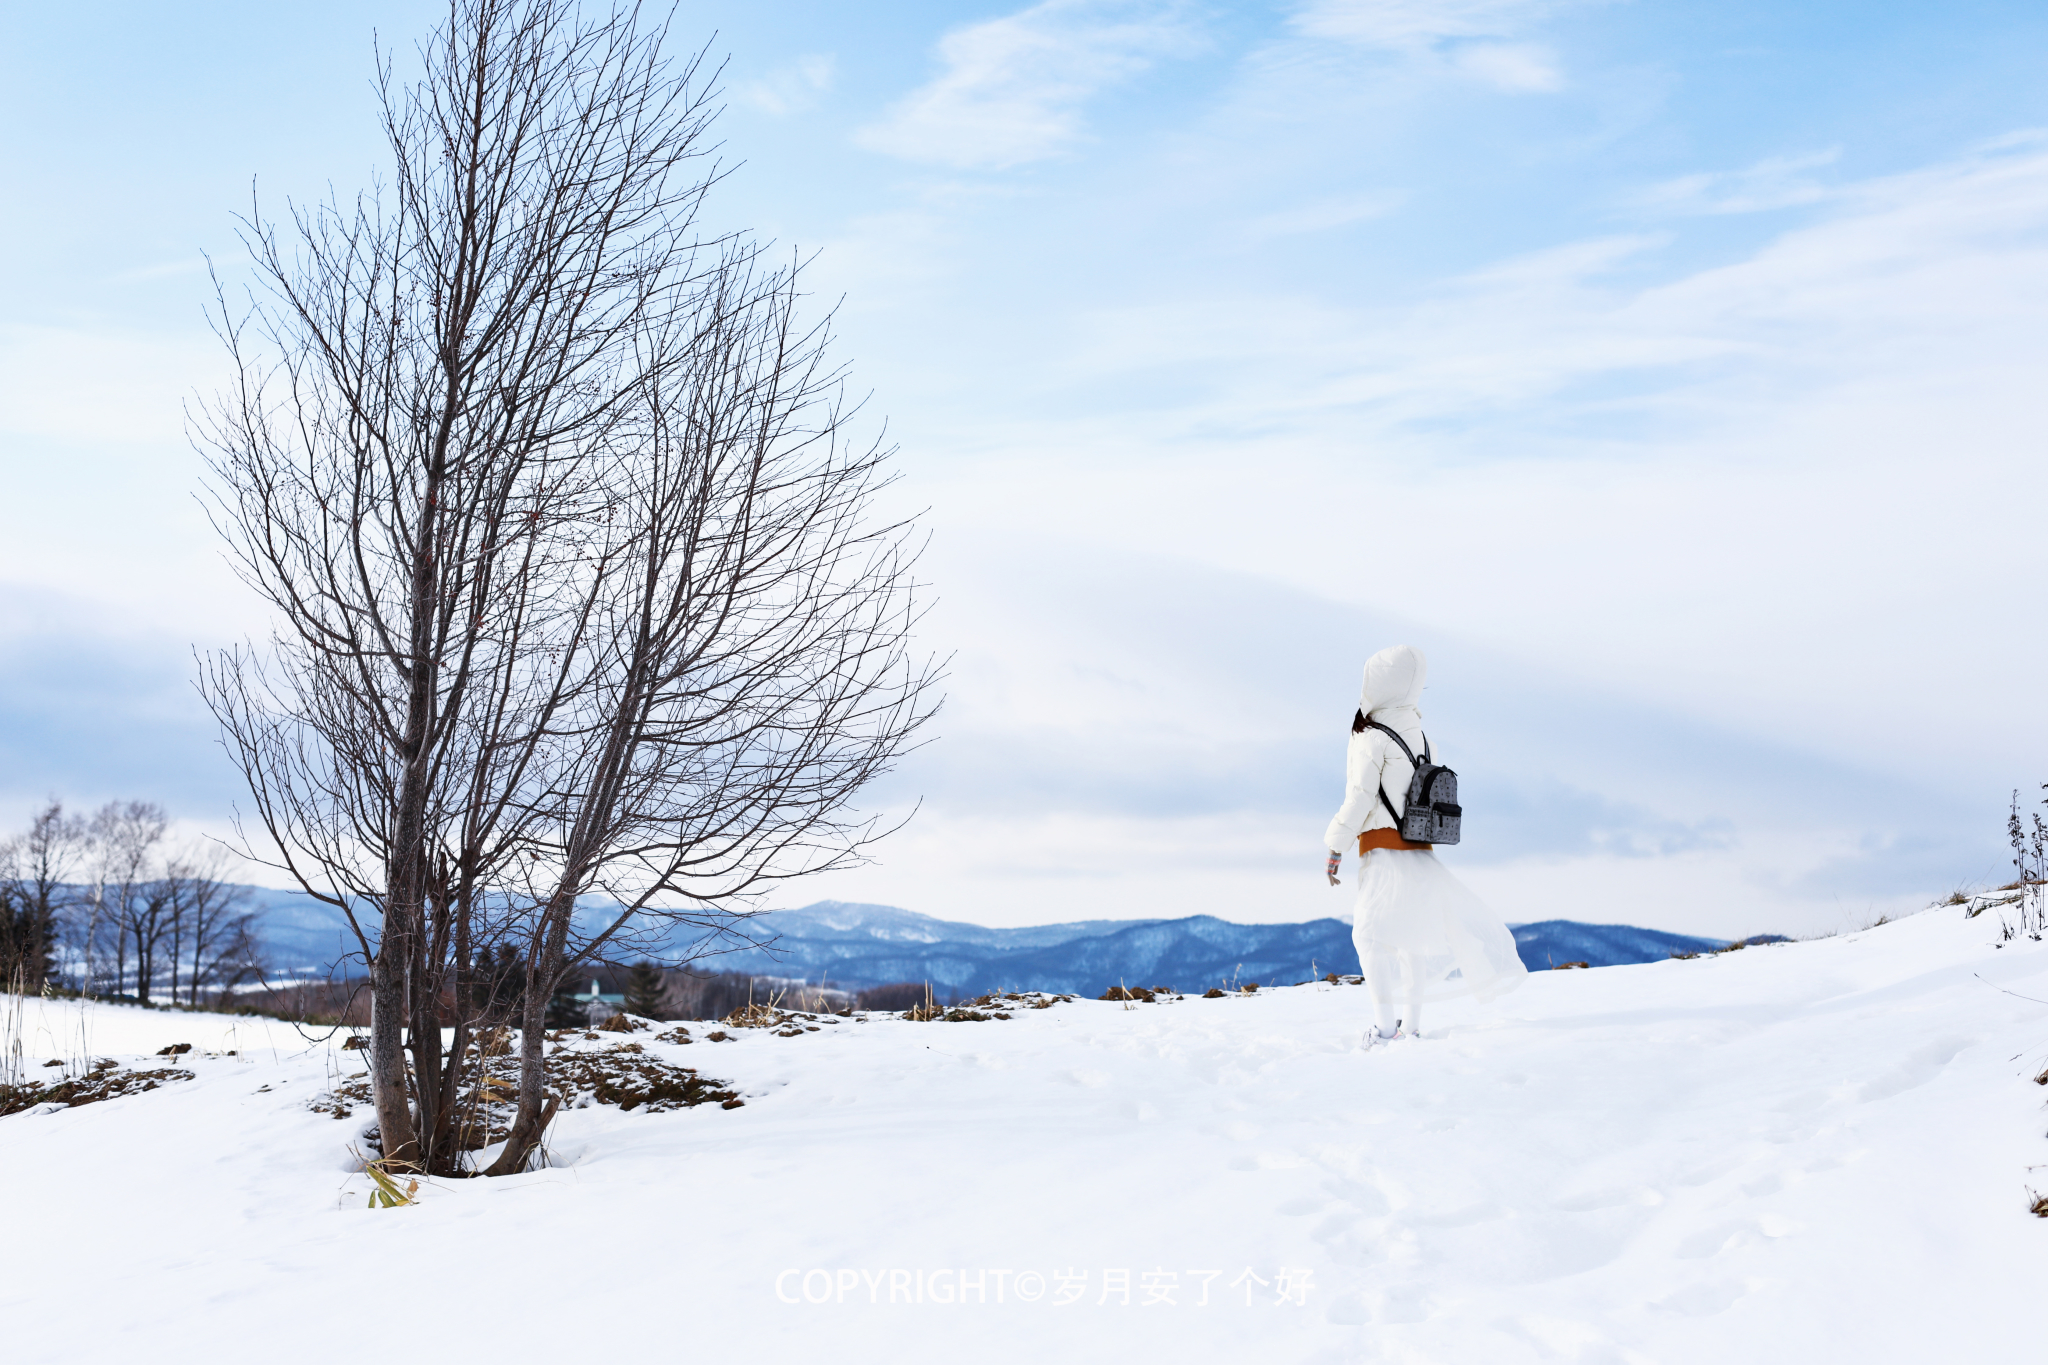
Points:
(1813, 1152)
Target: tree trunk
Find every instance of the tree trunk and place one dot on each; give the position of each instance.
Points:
(535, 1109)
(143, 965)
(387, 1049)
(543, 971)
(177, 943)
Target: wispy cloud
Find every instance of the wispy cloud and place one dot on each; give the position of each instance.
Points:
(1413, 24)
(1521, 68)
(1774, 183)
(1324, 214)
(1484, 40)
(1013, 89)
(792, 88)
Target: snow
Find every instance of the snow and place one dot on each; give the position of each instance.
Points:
(1804, 1152)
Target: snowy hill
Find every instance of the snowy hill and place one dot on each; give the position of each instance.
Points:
(1806, 1152)
(865, 945)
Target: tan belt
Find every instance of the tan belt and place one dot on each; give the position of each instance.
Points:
(1385, 838)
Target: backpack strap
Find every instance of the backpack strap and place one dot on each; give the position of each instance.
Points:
(1402, 742)
(1390, 730)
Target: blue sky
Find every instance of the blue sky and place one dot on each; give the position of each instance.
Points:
(1668, 372)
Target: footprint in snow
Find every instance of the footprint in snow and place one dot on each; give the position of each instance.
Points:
(1701, 1300)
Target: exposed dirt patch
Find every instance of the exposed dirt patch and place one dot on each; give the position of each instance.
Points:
(106, 1081)
(981, 1009)
(622, 1074)
(341, 1101)
(632, 1080)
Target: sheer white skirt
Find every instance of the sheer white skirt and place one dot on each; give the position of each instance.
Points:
(1416, 919)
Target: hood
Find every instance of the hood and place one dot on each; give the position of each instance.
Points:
(1393, 677)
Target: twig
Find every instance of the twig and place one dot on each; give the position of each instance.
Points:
(2014, 994)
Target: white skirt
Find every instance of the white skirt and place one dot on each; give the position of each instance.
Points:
(1450, 944)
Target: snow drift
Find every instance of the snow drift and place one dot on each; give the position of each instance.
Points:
(1803, 1152)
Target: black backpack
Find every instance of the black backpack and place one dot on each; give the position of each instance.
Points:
(1432, 812)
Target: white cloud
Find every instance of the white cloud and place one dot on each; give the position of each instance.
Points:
(1791, 495)
(793, 88)
(1013, 89)
(1480, 39)
(1514, 67)
(1773, 183)
(1324, 214)
(1413, 24)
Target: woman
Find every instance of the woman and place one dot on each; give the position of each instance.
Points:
(1421, 935)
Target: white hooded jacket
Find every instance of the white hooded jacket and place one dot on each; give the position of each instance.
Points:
(1393, 684)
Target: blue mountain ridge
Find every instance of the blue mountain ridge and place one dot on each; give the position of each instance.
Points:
(856, 945)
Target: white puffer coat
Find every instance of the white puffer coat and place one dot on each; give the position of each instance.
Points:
(1393, 684)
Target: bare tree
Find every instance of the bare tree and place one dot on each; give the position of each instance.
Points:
(468, 465)
(122, 901)
(214, 934)
(750, 656)
(35, 893)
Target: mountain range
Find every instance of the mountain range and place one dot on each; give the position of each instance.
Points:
(858, 945)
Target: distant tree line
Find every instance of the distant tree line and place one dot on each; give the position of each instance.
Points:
(653, 991)
(109, 904)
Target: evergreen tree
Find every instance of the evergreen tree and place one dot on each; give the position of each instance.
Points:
(28, 946)
(498, 985)
(645, 989)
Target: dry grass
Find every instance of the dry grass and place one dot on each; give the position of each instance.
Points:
(388, 1194)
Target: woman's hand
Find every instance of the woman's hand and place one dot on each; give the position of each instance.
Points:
(1330, 868)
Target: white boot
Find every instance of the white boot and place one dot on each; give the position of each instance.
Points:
(1374, 1038)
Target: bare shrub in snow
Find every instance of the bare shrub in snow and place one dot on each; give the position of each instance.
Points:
(2029, 839)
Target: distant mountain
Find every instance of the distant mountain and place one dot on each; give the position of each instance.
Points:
(870, 944)
(866, 945)
(1545, 944)
(301, 937)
